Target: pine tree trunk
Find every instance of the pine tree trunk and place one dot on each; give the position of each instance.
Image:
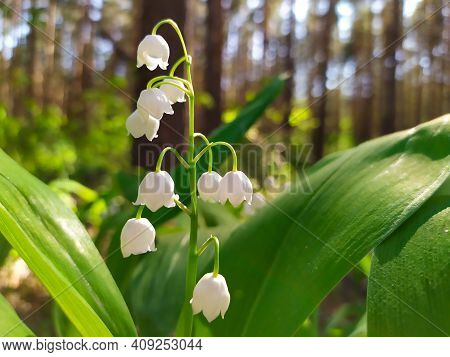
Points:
(49, 50)
(392, 31)
(323, 32)
(265, 31)
(34, 76)
(211, 117)
(289, 67)
(87, 71)
(242, 66)
(363, 81)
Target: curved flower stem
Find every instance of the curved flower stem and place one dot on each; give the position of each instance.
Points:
(177, 30)
(139, 212)
(177, 64)
(161, 78)
(188, 92)
(223, 143)
(182, 207)
(158, 81)
(215, 240)
(205, 139)
(178, 156)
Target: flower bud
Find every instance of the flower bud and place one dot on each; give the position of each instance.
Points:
(172, 93)
(153, 102)
(153, 51)
(236, 187)
(137, 237)
(258, 201)
(211, 296)
(156, 190)
(208, 186)
(138, 126)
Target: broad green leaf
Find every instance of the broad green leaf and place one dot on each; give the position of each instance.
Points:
(57, 248)
(409, 284)
(286, 259)
(10, 324)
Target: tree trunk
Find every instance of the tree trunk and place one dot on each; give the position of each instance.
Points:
(289, 67)
(50, 52)
(34, 75)
(418, 103)
(363, 81)
(87, 71)
(82, 79)
(242, 66)
(211, 117)
(265, 31)
(323, 31)
(172, 128)
(392, 31)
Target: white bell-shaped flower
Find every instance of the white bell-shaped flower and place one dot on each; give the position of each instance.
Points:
(137, 237)
(138, 126)
(152, 128)
(153, 51)
(236, 187)
(153, 102)
(172, 93)
(258, 201)
(157, 190)
(211, 296)
(208, 186)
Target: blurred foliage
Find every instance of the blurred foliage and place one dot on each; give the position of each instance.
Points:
(39, 141)
(51, 145)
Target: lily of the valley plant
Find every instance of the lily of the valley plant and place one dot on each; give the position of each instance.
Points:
(210, 294)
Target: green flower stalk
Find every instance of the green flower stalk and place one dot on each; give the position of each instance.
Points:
(210, 295)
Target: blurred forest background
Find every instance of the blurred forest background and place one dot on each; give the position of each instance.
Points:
(68, 81)
(359, 69)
